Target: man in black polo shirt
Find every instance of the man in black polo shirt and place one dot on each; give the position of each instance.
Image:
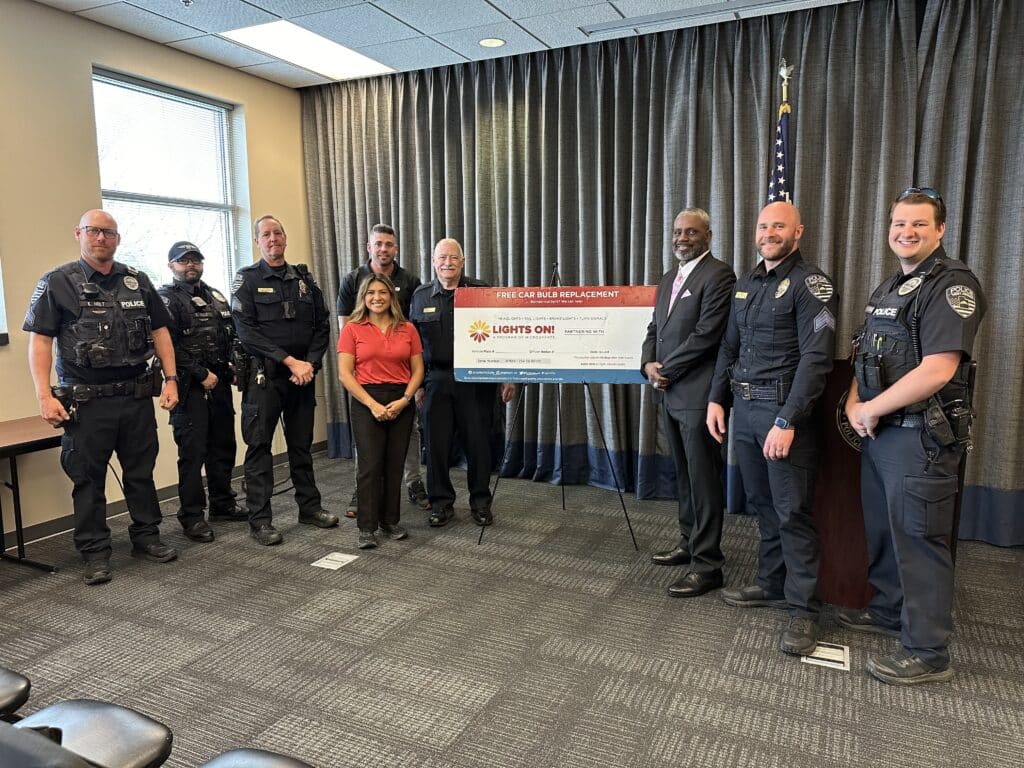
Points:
(383, 249)
(108, 321)
(282, 323)
(451, 406)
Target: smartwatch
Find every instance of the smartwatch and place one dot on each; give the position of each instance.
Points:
(170, 378)
(781, 423)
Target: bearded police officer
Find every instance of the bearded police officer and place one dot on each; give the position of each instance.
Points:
(910, 401)
(383, 249)
(283, 326)
(203, 423)
(773, 360)
(108, 321)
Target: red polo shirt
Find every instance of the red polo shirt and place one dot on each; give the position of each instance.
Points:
(381, 358)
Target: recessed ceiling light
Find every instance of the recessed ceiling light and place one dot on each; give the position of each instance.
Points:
(492, 42)
(293, 44)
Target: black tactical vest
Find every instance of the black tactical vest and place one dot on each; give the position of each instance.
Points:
(206, 328)
(113, 328)
(888, 349)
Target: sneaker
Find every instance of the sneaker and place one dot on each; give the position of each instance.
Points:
(418, 494)
(96, 572)
(439, 517)
(799, 638)
(860, 620)
(353, 507)
(395, 532)
(367, 540)
(482, 516)
(752, 597)
(904, 668)
(266, 534)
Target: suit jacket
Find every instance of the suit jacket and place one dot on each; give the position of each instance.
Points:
(685, 341)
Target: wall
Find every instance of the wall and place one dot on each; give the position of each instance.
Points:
(49, 175)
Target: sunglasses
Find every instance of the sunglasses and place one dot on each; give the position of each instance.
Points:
(926, 191)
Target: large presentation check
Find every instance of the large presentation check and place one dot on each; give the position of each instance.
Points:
(569, 334)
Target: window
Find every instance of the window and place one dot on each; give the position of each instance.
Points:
(167, 174)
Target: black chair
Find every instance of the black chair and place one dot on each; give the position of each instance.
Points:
(253, 758)
(105, 734)
(14, 690)
(24, 748)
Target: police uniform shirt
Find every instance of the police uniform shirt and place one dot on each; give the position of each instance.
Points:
(781, 327)
(177, 296)
(404, 281)
(55, 304)
(950, 304)
(278, 312)
(433, 313)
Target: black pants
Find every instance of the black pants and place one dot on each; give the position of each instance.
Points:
(698, 460)
(382, 446)
(780, 492)
(908, 490)
(126, 425)
(261, 408)
(451, 407)
(204, 430)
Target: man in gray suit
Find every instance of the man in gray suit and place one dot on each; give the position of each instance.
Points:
(678, 358)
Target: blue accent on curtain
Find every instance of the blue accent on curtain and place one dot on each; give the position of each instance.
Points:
(993, 516)
(339, 440)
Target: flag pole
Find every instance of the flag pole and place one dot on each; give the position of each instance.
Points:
(779, 182)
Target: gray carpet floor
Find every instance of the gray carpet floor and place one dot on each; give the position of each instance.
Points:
(552, 643)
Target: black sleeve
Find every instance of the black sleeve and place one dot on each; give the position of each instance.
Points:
(243, 312)
(816, 332)
(44, 313)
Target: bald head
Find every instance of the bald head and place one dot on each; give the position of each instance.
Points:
(97, 238)
(447, 261)
(778, 232)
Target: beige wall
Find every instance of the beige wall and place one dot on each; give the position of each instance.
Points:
(49, 175)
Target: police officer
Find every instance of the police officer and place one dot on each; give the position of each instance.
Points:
(911, 404)
(773, 360)
(282, 323)
(203, 423)
(450, 406)
(107, 320)
(383, 249)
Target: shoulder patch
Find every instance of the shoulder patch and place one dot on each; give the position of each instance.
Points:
(167, 300)
(824, 319)
(239, 279)
(131, 270)
(819, 286)
(41, 287)
(962, 300)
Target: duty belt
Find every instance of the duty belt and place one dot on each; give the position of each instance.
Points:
(909, 420)
(749, 391)
(84, 392)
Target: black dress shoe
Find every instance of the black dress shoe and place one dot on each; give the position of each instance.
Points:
(439, 517)
(96, 572)
(752, 596)
(199, 531)
(693, 584)
(266, 534)
(482, 516)
(677, 556)
(861, 620)
(321, 519)
(799, 638)
(157, 552)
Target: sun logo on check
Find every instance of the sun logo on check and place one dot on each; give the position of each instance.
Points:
(479, 331)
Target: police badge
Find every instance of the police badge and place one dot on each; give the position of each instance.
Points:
(218, 295)
(303, 288)
(783, 287)
(131, 283)
(910, 286)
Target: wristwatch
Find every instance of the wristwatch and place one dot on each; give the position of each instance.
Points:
(409, 398)
(781, 423)
(170, 378)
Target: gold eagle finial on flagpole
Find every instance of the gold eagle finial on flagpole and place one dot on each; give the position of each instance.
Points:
(785, 72)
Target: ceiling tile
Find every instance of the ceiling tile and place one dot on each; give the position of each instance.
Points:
(217, 16)
(222, 51)
(429, 16)
(519, 9)
(286, 74)
(289, 9)
(357, 26)
(559, 30)
(630, 8)
(417, 53)
(140, 22)
(76, 5)
(467, 41)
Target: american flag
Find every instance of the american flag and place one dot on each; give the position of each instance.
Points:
(779, 184)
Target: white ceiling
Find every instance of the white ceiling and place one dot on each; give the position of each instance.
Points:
(408, 34)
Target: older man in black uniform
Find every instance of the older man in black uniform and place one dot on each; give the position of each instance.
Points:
(203, 423)
(774, 358)
(911, 404)
(108, 322)
(450, 406)
(678, 358)
(383, 250)
(282, 322)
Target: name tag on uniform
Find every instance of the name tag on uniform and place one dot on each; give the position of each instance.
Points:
(264, 290)
(741, 294)
(428, 310)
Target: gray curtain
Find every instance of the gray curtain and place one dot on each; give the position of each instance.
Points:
(579, 159)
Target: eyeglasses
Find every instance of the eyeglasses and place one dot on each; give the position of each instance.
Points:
(928, 192)
(95, 232)
(189, 260)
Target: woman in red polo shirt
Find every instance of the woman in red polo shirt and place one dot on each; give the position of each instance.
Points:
(380, 363)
